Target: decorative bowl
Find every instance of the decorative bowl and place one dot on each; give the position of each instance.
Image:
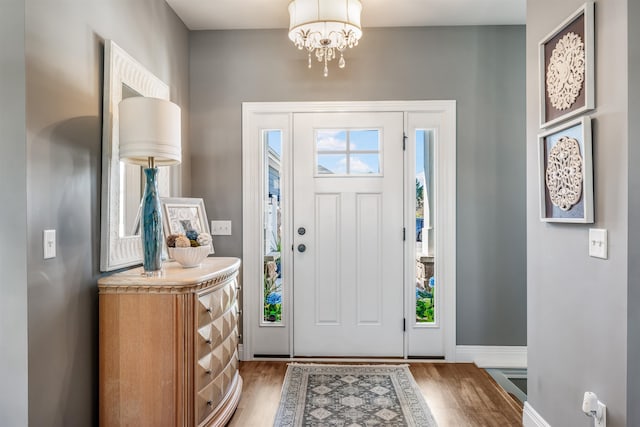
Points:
(190, 257)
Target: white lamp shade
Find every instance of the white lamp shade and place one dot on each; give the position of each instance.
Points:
(149, 127)
(324, 16)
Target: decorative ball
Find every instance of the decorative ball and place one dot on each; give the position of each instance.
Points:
(204, 239)
(191, 234)
(171, 240)
(183, 241)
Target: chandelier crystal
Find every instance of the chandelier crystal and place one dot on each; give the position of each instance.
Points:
(325, 28)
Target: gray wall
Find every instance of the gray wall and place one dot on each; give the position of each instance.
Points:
(13, 227)
(482, 68)
(64, 59)
(577, 305)
(633, 329)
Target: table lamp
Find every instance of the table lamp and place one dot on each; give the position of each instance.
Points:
(150, 137)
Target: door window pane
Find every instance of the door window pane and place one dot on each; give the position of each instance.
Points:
(330, 164)
(364, 140)
(331, 140)
(363, 164)
(272, 279)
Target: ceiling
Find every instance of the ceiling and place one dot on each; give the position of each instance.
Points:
(261, 14)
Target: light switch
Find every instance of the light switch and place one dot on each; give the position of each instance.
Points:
(49, 244)
(598, 246)
(221, 228)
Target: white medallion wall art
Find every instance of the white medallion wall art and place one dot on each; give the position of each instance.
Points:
(566, 68)
(563, 176)
(566, 176)
(565, 72)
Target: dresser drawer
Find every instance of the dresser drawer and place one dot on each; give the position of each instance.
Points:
(210, 397)
(211, 364)
(211, 305)
(215, 333)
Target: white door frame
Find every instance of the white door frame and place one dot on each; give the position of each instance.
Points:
(255, 113)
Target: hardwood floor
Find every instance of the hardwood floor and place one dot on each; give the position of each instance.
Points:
(459, 395)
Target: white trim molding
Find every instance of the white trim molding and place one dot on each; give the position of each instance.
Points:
(493, 356)
(530, 418)
(240, 351)
(255, 116)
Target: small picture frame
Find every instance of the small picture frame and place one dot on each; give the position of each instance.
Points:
(566, 173)
(566, 73)
(182, 213)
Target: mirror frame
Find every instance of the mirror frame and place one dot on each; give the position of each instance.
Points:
(121, 69)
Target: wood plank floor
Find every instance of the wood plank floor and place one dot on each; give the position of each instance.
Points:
(459, 395)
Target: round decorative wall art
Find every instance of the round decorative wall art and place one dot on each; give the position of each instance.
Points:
(566, 71)
(567, 68)
(564, 173)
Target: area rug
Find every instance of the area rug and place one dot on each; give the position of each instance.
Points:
(316, 395)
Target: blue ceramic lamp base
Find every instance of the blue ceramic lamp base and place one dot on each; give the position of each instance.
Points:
(151, 225)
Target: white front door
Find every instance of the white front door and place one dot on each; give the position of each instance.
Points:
(348, 234)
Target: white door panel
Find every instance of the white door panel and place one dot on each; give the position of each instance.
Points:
(348, 282)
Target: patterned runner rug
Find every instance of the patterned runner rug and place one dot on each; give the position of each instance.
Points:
(351, 396)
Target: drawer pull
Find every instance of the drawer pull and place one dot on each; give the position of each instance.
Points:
(209, 310)
(237, 288)
(208, 341)
(209, 402)
(208, 372)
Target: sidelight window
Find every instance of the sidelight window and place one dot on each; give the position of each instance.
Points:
(272, 228)
(425, 268)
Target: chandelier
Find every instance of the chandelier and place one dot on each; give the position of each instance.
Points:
(325, 28)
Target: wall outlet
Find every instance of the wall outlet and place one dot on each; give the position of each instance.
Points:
(221, 228)
(49, 244)
(595, 409)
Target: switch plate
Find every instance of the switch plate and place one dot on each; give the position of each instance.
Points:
(598, 245)
(221, 228)
(49, 244)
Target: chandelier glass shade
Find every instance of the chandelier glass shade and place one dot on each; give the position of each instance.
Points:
(325, 28)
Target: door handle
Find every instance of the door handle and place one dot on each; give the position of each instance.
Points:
(302, 248)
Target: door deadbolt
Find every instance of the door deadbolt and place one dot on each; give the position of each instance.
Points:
(301, 231)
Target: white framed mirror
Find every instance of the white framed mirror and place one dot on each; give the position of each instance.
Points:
(122, 184)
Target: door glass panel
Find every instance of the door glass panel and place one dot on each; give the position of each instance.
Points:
(348, 152)
(331, 140)
(272, 227)
(364, 140)
(364, 164)
(330, 164)
(425, 267)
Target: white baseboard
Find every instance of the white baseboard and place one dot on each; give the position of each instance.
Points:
(483, 356)
(493, 356)
(241, 351)
(530, 418)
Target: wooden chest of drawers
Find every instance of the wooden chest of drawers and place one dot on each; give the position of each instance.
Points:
(168, 346)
